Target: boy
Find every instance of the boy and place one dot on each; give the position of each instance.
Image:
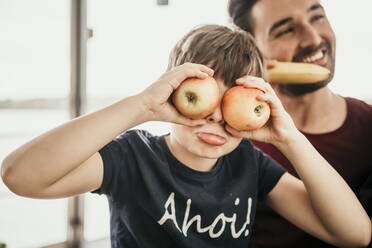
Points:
(198, 185)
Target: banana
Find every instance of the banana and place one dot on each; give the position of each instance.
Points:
(297, 73)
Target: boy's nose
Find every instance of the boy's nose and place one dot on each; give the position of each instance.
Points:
(216, 116)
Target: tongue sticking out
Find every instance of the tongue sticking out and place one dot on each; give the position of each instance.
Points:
(211, 139)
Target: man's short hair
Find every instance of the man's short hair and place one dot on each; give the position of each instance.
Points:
(240, 14)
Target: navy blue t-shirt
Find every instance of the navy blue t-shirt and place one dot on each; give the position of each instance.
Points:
(156, 201)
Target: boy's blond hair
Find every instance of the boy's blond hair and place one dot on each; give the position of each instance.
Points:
(231, 53)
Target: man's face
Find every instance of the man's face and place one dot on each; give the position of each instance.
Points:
(210, 140)
(297, 31)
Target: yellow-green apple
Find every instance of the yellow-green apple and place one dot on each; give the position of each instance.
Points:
(197, 98)
(242, 111)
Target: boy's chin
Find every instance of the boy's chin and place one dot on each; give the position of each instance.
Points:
(210, 156)
(213, 152)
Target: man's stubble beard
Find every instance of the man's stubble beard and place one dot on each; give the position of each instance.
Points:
(302, 89)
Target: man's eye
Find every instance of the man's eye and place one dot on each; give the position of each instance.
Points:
(284, 32)
(316, 18)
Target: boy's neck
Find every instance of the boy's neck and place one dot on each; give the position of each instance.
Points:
(187, 158)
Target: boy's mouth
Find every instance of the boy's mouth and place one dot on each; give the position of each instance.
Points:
(211, 139)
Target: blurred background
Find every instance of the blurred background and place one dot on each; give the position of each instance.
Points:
(127, 50)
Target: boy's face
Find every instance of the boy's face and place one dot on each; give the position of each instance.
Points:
(209, 141)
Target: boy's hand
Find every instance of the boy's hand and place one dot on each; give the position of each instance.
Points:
(157, 96)
(280, 127)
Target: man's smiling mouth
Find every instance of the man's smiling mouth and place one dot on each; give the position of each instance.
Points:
(315, 57)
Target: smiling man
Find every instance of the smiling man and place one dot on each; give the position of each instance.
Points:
(339, 127)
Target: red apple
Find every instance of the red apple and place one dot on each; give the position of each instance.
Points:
(242, 111)
(197, 98)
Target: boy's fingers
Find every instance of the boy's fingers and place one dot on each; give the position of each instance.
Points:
(207, 70)
(273, 101)
(201, 74)
(273, 85)
(236, 133)
(266, 98)
(189, 71)
(248, 78)
(188, 122)
(255, 82)
(257, 134)
(231, 130)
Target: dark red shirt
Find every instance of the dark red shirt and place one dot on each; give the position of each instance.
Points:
(348, 149)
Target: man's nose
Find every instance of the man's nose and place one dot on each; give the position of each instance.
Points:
(309, 36)
(216, 116)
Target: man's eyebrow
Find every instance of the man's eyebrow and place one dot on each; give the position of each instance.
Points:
(280, 23)
(315, 7)
(286, 20)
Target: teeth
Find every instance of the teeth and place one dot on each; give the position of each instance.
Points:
(313, 58)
